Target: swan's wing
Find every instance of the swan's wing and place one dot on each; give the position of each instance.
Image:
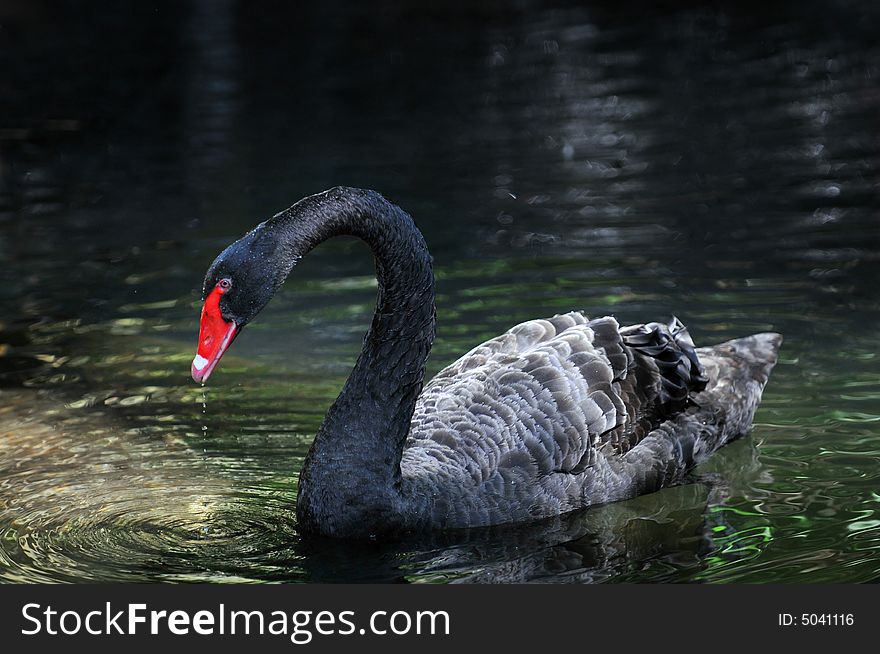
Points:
(540, 395)
(547, 396)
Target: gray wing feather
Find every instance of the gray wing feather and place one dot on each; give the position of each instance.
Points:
(529, 403)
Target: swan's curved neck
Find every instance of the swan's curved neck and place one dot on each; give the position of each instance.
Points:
(356, 454)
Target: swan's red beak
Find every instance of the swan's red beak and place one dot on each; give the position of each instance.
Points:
(215, 336)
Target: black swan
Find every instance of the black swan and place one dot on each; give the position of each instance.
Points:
(551, 416)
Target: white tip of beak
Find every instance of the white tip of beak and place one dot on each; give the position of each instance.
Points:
(199, 362)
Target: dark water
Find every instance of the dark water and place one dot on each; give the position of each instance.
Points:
(716, 165)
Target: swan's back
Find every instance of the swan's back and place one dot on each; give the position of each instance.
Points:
(562, 413)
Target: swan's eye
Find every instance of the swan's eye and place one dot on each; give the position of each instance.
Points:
(224, 284)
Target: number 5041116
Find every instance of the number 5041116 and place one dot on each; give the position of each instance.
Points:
(816, 620)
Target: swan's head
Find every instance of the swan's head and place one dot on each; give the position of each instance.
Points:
(237, 286)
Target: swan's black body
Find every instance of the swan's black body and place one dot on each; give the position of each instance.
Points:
(552, 416)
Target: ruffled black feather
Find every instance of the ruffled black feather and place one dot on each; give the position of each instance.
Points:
(672, 350)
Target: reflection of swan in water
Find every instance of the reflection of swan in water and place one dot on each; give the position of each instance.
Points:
(584, 546)
(610, 540)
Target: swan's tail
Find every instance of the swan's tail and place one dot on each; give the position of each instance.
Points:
(738, 371)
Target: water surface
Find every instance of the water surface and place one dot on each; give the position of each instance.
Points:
(710, 164)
